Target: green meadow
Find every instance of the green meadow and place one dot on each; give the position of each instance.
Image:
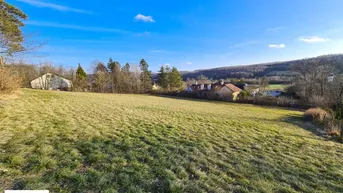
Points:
(89, 142)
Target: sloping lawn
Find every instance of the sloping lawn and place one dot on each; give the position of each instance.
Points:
(87, 142)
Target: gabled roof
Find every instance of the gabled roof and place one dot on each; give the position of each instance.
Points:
(233, 88)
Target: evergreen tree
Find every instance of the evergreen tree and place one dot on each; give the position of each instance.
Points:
(11, 20)
(175, 80)
(80, 79)
(80, 73)
(116, 77)
(145, 77)
(126, 79)
(163, 77)
(126, 68)
(112, 64)
(11, 39)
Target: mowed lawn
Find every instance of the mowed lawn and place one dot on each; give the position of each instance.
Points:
(88, 142)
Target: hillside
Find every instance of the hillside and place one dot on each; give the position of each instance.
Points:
(257, 70)
(88, 142)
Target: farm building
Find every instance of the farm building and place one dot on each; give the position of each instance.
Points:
(51, 82)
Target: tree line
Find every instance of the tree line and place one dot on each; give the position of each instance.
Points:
(115, 78)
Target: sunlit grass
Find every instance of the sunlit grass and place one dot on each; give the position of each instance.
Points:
(87, 142)
(277, 87)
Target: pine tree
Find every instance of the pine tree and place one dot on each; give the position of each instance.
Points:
(11, 39)
(175, 80)
(145, 77)
(81, 79)
(80, 73)
(11, 20)
(125, 81)
(163, 77)
(126, 68)
(112, 64)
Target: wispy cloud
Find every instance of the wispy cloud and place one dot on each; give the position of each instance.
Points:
(145, 33)
(313, 39)
(76, 27)
(42, 4)
(244, 44)
(187, 63)
(158, 51)
(141, 17)
(276, 45)
(275, 29)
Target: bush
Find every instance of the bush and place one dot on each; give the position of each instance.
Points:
(9, 81)
(333, 127)
(316, 115)
(271, 101)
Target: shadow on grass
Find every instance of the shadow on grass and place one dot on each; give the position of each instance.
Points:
(309, 126)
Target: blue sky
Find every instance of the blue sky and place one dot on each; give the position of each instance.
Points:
(188, 34)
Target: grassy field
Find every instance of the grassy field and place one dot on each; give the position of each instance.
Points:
(88, 142)
(277, 87)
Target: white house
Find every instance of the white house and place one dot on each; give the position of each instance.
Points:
(51, 82)
(331, 77)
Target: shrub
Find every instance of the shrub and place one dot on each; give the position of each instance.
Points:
(315, 114)
(333, 127)
(9, 81)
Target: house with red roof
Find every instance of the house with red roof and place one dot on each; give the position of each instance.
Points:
(219, 90)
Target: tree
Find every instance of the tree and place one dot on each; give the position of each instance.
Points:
(11, 41)
(202, 79)
(11, 36)
(114, 67)
(80, 79)
(145, 76)
(162, 79)
(311, 80)
(175, 80)
(126, 79)
(263, 84)
(111, 64)
(80, 73)
(101, 81)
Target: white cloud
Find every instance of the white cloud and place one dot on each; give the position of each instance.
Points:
(312, 39)
(276, 45)
(186, 63)
(76, 27)
(42, 4)
(144, 18)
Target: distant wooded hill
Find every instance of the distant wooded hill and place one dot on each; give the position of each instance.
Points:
(280, 69)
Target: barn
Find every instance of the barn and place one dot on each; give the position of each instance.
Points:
(50, 81)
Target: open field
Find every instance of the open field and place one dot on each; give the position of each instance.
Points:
(87, 142)
(281, 87)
